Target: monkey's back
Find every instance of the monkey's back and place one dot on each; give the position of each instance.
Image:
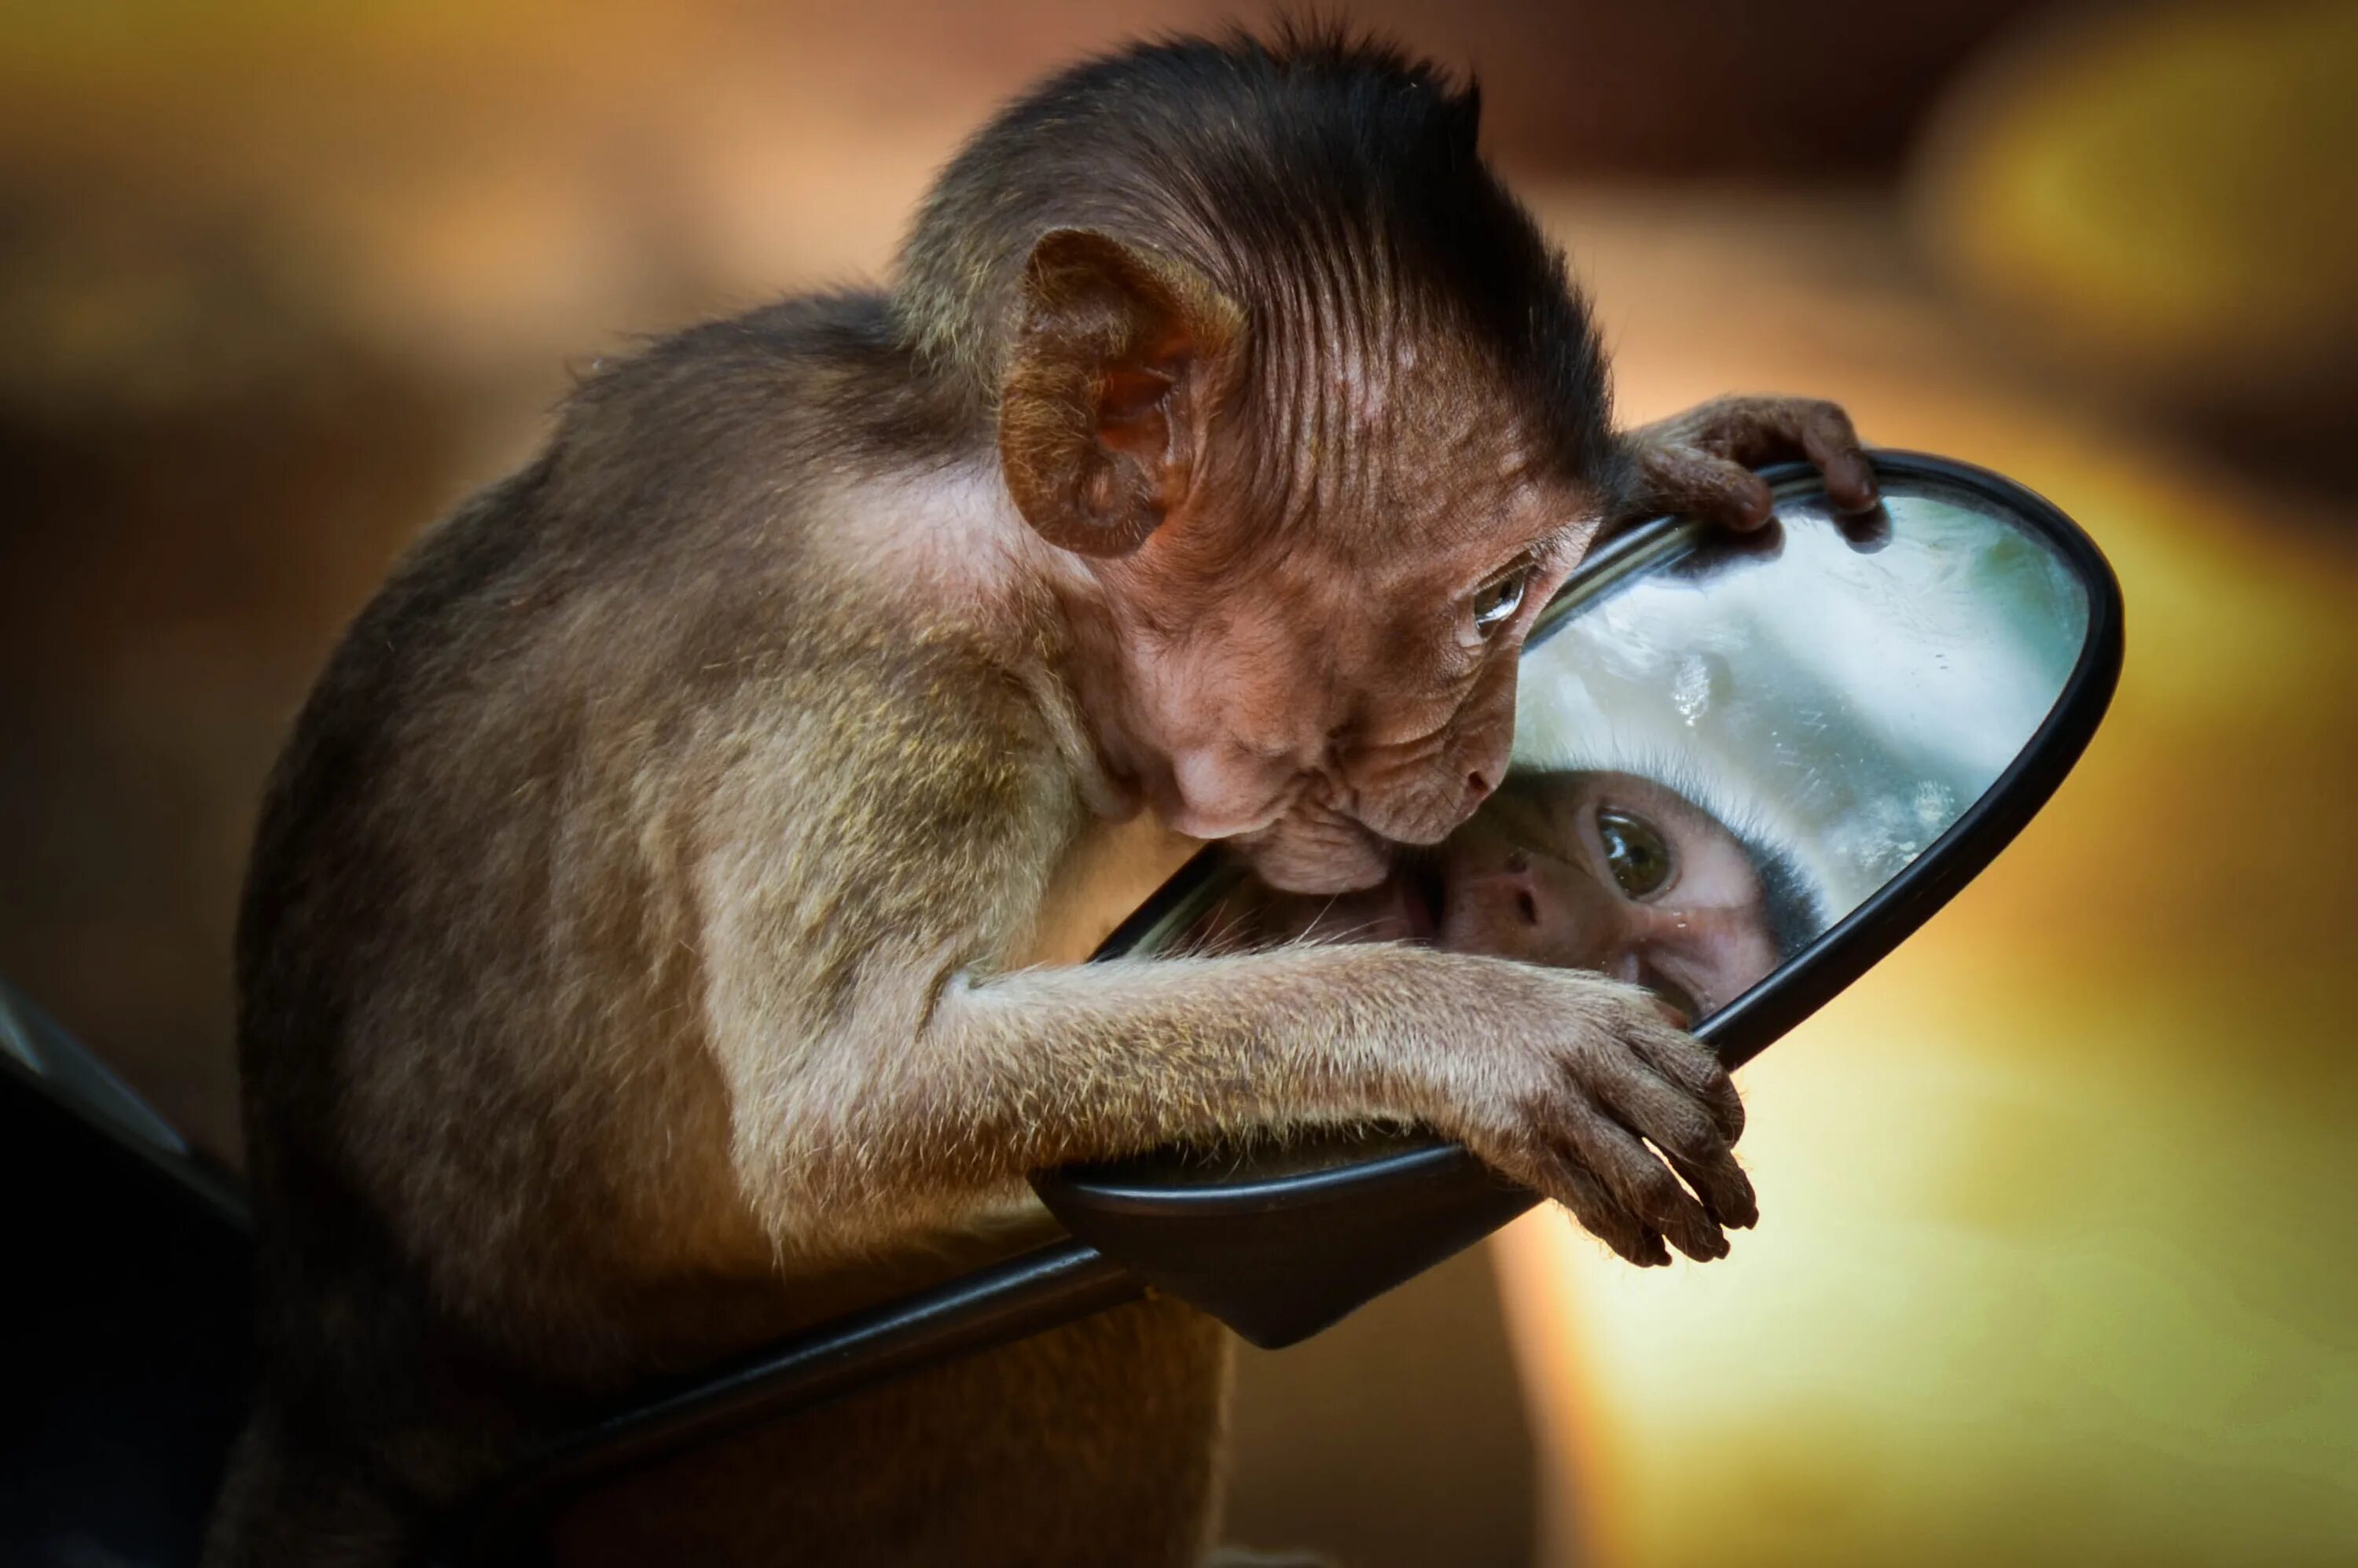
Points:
(488, 1143)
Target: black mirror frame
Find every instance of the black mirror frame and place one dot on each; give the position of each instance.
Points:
(1807, 981)
(1198, 1242)
(1280, 1258)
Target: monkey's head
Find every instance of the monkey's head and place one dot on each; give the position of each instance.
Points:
(1274, 354)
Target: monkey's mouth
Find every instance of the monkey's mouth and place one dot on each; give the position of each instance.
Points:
(1421, 887)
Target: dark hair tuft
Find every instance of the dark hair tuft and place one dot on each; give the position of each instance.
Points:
(1270, 164)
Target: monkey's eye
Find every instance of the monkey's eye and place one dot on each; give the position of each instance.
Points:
(1641, 861)
(1495, 601)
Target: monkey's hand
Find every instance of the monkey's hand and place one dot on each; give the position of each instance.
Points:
(1572, 1110)
(1701, 462)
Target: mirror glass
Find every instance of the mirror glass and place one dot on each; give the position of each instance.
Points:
(1725, 744)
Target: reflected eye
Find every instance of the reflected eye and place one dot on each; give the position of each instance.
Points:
(1495, 601)
(1639, 859)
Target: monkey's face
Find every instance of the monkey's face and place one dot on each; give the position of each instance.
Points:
(1344, 685)
(1319, 539)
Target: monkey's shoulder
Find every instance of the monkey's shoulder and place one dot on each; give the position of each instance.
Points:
(819, 382)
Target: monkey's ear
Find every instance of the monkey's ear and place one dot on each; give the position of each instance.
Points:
(1118, 360)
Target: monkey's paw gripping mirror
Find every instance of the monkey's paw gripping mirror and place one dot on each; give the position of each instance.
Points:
(1745, 767)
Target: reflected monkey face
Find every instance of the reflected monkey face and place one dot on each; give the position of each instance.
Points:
(1604, 871)
(1610, 872)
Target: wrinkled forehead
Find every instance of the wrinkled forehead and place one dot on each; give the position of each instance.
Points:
(1420, 442)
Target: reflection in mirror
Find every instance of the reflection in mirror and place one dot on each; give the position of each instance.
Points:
(1724, 745)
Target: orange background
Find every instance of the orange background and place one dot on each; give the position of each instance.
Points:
(2056, 1250)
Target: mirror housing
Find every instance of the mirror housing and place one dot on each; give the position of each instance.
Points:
(1280, 1244)
(1278, 1252)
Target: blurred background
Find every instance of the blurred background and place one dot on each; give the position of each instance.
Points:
(2059, 1247)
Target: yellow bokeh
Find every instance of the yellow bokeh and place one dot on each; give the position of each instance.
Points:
(2059, 1252)
(2056, 1258)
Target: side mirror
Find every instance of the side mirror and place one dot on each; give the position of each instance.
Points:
(1746, 768)
(1822, 731)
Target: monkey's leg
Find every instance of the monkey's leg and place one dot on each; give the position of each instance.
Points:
(1088, 1445)
(287, 1504)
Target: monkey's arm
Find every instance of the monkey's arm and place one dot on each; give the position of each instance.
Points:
(875, 834)
(1702, 461)
(954, 1088)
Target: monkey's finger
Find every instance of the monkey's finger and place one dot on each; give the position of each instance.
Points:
(1676, 1123)
(1833, 447)
(1571, 1184)
(1755, 430)
(1644, 1185)
(1689, 1063)
(1691, 481)
(1733, 1210)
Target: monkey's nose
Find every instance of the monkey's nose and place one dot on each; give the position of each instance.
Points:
(1477, 789)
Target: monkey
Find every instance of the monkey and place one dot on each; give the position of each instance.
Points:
(630, 962)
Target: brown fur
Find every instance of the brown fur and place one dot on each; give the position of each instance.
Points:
(628, 969)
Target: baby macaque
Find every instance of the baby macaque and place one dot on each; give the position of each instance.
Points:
(628, 963)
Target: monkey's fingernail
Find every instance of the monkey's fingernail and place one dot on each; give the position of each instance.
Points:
(1858, 480)
(1744, 1208)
